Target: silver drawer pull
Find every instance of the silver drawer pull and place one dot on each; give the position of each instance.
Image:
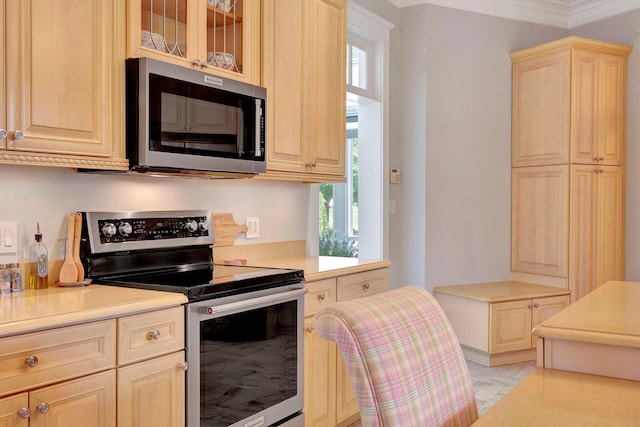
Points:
(321, 297)
(366, 286)
(31, 361)
(24, 413)
(183, 366)
(153, 335)
(3, 134)
(18, 135)
(43, 408)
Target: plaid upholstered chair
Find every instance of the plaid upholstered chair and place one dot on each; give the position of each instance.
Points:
(403, 358)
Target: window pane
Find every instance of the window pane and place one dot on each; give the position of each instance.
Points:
(358, 68)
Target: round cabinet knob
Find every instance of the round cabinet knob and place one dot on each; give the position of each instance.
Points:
(191, 225)
(18, 135)
(3, 134)
(183, 366)
(31, 361)
(366, 286)
(43, 408)
(309, 329)
(24, 413)
(109, 230)
(196, 63)
(154, 335)
(203, 225)
(125, 229)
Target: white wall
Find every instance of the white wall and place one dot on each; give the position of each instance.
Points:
(453, 224)
(453, 73)
(47, 195)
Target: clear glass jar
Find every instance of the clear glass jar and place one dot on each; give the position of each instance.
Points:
(16, 277)
(5, 279)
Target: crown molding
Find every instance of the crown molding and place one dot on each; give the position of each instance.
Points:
(556, 13)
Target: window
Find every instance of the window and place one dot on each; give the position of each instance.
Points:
(341, 225)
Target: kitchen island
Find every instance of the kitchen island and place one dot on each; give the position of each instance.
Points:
(599, 334)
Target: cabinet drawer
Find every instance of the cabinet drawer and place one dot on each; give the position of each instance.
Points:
(56, 355)
(319, 293)
(150, 334)
(363, 284)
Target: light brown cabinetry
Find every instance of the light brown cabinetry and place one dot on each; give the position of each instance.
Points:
(47, 368)
(197, 34)
(303, 69)
(569, 121)
(151, 390)
(511, 323)
(64, 83)
(329, 397)
(67, 376)
(540, 219)
(493, 321)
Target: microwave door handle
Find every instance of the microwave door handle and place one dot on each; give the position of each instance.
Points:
(258, 128)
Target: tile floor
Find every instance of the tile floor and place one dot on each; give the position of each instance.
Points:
(491, 384)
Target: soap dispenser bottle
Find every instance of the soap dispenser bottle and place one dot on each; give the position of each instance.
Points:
(39, 257)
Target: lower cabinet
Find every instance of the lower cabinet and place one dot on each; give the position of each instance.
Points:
(510, 323)
(328, 396)
(151, 393)
(126, 372)
(493, 321)
(88, 401)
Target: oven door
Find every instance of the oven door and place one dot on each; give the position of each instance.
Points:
(245, 356)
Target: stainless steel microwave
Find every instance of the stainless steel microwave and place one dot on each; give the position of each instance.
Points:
(185, 121)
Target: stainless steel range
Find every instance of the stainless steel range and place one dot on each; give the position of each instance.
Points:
(244, 338)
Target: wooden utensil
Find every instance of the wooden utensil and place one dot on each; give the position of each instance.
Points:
(225, 229)
(76, 247)
(68, 271)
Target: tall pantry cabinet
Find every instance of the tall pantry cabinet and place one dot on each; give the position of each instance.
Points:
(568, 160)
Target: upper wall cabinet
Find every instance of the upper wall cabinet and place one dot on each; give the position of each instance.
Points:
(569, 103)
(303, 69)
(62, 70)
(217, 36)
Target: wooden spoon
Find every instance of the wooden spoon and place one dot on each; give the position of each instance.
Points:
(76, 247)
(68, 271)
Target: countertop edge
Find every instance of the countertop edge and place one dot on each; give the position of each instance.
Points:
(594, 337)
(312, 277)
(37, 324)
(540, 292)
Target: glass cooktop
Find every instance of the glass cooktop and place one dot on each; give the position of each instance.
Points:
(212, 282)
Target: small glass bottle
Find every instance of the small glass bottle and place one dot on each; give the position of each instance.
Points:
(16, 277)
(39, 257)
(5, 279)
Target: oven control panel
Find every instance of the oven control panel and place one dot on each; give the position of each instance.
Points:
(128, 230)
(117, 231)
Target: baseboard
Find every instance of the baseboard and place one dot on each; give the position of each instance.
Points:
(487, 359)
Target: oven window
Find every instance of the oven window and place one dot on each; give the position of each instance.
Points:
(193, 119)
(248, 363)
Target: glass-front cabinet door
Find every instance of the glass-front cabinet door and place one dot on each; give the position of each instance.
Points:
(217, 36)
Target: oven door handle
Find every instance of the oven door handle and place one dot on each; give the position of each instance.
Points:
(249, 304)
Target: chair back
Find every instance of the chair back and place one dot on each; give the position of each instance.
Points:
(403, 358)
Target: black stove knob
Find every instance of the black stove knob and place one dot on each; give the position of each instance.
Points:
(191, 225)
(203, 225)
(125, 229)
(109, 229)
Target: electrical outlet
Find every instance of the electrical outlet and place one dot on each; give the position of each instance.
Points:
(253, 228)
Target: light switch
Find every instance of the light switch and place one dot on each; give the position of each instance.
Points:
(8, 239)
